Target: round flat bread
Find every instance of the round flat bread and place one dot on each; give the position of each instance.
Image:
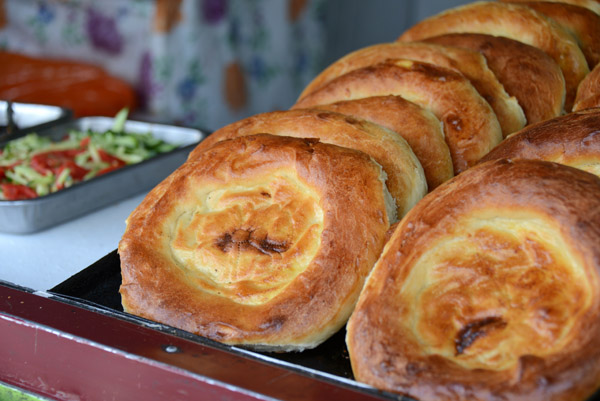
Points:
(580, 22)
(421, 129)
(260, 241)
(588, 93)
(467, 62)
(405, 177)
(488, 289)
(470, 125)
(573, 140)
(526, 72)
(514, 21)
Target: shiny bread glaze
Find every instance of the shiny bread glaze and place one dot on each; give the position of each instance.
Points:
(260, 241)
(588, 93)
(488, 289)
(593, 5)
(467, 62)
(514, 21)
(583, 24)
(405, 177)
(526, 72)
(572, 139)
(418, 126)
(470, 126)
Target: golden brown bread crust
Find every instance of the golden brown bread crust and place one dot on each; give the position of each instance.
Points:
(582, 23)
(470, 126)
(261, 241)
(526, 72)
(488, 289)
(406, 179)
(469, 63)
(421, 129)
(593, 5)
(588, 93)
(514, 21)
(573, 139)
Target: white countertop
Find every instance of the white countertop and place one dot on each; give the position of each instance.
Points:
(41, 260)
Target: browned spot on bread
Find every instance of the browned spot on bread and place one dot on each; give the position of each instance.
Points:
(245, 240)
(472, 331)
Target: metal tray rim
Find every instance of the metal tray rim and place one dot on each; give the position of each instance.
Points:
(31, 215)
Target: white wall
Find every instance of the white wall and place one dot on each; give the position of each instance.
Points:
(424, 9)
(352, 24)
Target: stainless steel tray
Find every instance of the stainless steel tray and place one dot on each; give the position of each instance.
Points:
(31, 215)
(16, 118)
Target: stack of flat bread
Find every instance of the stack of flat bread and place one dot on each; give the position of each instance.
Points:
(438, 195)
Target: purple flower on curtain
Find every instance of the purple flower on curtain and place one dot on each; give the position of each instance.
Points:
(103, 32)
(214, 10)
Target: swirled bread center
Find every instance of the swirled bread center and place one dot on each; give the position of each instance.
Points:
(496, 289)
(247, 241)
(589, 164)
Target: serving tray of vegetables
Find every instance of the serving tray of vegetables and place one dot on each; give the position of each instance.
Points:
(60, 172)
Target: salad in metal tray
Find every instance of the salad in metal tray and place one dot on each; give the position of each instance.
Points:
(34, 165)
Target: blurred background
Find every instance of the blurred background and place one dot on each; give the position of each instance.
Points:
(199, 63)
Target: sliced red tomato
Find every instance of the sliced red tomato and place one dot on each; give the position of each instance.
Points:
(17, 191)
(108, 158)
(53, 160)
(85, 142)
(4, 169)
(75, 171)
(40, 164)
(108, 169)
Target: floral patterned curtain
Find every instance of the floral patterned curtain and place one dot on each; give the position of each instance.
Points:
(199, 63)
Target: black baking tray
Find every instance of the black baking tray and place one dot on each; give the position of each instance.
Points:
(98, 286)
